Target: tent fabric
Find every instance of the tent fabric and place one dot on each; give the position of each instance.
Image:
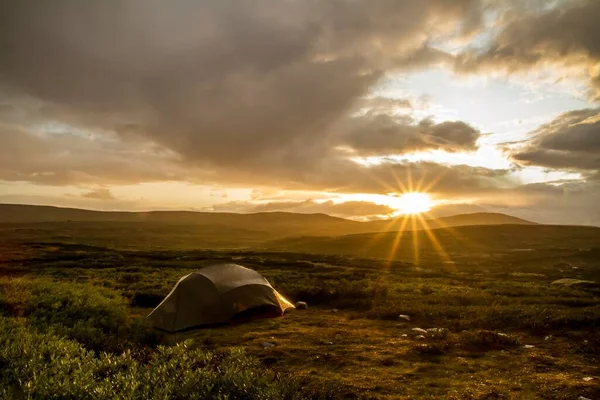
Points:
(215, 295)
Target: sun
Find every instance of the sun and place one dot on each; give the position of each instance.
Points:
(413, 203)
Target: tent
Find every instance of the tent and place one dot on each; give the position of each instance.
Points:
(216, 295)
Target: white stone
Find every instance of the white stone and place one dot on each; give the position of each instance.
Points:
(301, 305)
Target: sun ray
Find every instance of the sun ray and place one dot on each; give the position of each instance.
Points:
(409, 197)
(399, 183)
(397, 240)
(409, 178)
(419, 187)
(434, 240)
(415, 235)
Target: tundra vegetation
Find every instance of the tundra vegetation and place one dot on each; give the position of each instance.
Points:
(491, 323)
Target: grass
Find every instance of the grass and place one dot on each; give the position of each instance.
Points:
(497, 327)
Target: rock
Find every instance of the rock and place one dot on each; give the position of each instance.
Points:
(404, 317)
(576, 283)
(588, 378)
(436, 330)
(420, 337)
(529, 346)
(301, 305)
(419, 331)
(267, 345)
(583, 398)
(438, 333)
(548, 337)
(404, 335)
(329, 343)
(334, 310)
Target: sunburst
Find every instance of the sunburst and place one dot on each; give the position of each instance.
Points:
(413, 204)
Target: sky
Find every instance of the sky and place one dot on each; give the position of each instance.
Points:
(328, 106)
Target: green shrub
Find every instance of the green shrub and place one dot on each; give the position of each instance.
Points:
(96, 317)
(38, 365)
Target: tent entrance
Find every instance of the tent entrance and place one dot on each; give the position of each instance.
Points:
(260, 312)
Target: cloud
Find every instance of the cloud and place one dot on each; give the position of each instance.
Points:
(265, 93)
(100, 194)
(566, 35)
(390, 176)
(67, 158)
(570, 141)
(348, 209)
(383, 134)
(62, 159)
(221, 83)
(571, 203)
(216, 91)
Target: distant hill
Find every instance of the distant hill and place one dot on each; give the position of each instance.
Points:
(416, 223)
(481, 219)
(277, 223)
(450, 244)
(267, 224)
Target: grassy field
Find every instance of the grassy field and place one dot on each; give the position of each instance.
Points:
(73, 299)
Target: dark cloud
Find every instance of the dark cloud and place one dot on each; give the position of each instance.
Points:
(222, 83)
(212, 91)
(61, 159)
(570, 141)
(567, 34)
(385, 134)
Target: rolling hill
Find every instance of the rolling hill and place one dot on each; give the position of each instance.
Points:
(277, 223)
(451, 244)
(273, 223)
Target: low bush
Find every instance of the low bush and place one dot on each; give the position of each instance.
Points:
(146, 300)
(37, 365)
(96, 317)
(483, 340)
(432, 349)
